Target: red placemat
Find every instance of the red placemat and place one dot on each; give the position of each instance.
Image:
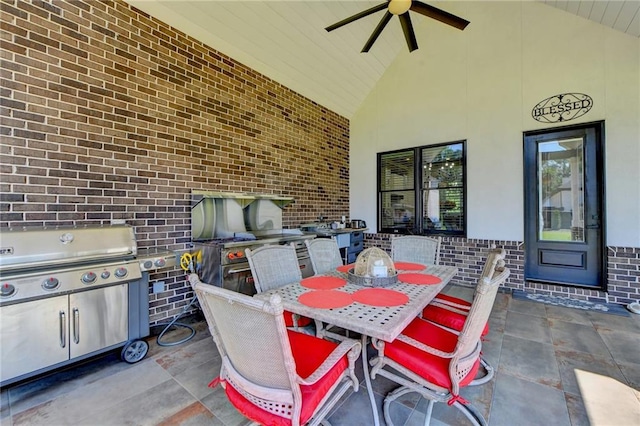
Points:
(345, 268)
(408, 266)
(325, 299)
(323, 283)
(419, 279)
(380, 297)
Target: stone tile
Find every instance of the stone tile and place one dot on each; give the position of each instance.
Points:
(570, 363)
(106, 392)
(624, 346)
(528, 327)
(529, 360)
(578, 337)
(222, 409)
(611, 322)
(631, 373)
(492, 343)
(146, 408)
(356, 410)
(577, 316)
(196, 353)
(195, 414)
(479, 398)
(608, 401)
(197, 378)
(50, 387)
(528, 307)
(577, 412)
(522, 402)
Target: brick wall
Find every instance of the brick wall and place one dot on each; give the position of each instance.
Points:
(110, 114)
(623, 268)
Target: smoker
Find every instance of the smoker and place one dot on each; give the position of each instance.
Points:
(69, 293)
(224, 225)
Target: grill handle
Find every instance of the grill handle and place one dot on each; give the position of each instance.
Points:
(76, 326)
(63, 329)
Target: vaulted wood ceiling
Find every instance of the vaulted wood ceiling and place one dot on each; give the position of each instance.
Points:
(286, 40)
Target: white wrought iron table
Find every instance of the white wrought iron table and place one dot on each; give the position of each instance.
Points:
(381, 322)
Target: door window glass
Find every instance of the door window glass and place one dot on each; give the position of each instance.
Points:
(561, 190)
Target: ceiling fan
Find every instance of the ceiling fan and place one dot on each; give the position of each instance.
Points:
(402, 8)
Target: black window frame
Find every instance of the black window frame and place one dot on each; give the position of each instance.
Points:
(417, 226)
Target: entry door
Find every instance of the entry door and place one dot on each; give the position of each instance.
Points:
(564, 235)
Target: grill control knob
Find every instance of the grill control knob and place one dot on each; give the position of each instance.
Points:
(105, 274)
(50, 283)
(121, 272)
(147, 264)
(89, 278)
(7, 290)
(160, 263)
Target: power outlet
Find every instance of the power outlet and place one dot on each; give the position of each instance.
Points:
(158, 287)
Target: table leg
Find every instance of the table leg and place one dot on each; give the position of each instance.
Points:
(367, 379)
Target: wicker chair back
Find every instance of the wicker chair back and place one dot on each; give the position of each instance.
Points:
(416, 248)
(273, 266)
(324, 253)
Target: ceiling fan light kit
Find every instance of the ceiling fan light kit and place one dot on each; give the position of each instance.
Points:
(401, 8)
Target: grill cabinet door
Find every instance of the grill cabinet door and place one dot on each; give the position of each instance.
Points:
(98, 319)
(34, 335)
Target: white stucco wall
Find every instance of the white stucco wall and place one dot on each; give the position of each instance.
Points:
(481, 85)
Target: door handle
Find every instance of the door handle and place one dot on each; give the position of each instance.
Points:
(76, 326)
(63, 329)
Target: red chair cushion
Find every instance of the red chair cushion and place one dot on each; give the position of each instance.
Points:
(302, 321)
(430, 367)
(447, 318)
(308, 352)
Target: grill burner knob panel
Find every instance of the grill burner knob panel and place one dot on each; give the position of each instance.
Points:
(50, 283)
(89, 277)
(121, 272)
(7, 290)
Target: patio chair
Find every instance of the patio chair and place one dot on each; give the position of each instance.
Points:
(325, 257)
(272, 375)
(451, 312)
(324, 253)
(417, 249)
(435, 362)
(274, 266)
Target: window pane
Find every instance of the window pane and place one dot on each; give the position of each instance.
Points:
(397, 171)
(442, 166)
(443, 209)
(398, 209)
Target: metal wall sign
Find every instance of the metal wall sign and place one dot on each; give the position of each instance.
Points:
(563, 107)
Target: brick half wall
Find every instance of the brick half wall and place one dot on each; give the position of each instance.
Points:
(623, 268)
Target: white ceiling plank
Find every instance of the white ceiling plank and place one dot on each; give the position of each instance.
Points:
(634, 25)
(628, 11)
(597, 11)
(611, 13)
(573, 6)
(585, 9)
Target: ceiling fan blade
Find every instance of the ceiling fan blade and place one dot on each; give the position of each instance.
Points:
(407, 29)
(439, 15)
(374, 36)
(357, 16)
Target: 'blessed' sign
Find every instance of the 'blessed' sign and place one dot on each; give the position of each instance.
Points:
(563, 107)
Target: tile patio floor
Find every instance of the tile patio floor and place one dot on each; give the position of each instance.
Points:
(555, 366)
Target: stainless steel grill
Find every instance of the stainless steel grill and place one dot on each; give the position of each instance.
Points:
(68, 293)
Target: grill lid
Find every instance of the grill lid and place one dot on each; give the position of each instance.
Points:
(37, 247)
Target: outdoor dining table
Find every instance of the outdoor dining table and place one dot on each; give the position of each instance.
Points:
(376, 312)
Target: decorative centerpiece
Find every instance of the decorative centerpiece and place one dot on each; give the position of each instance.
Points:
(373, 268)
